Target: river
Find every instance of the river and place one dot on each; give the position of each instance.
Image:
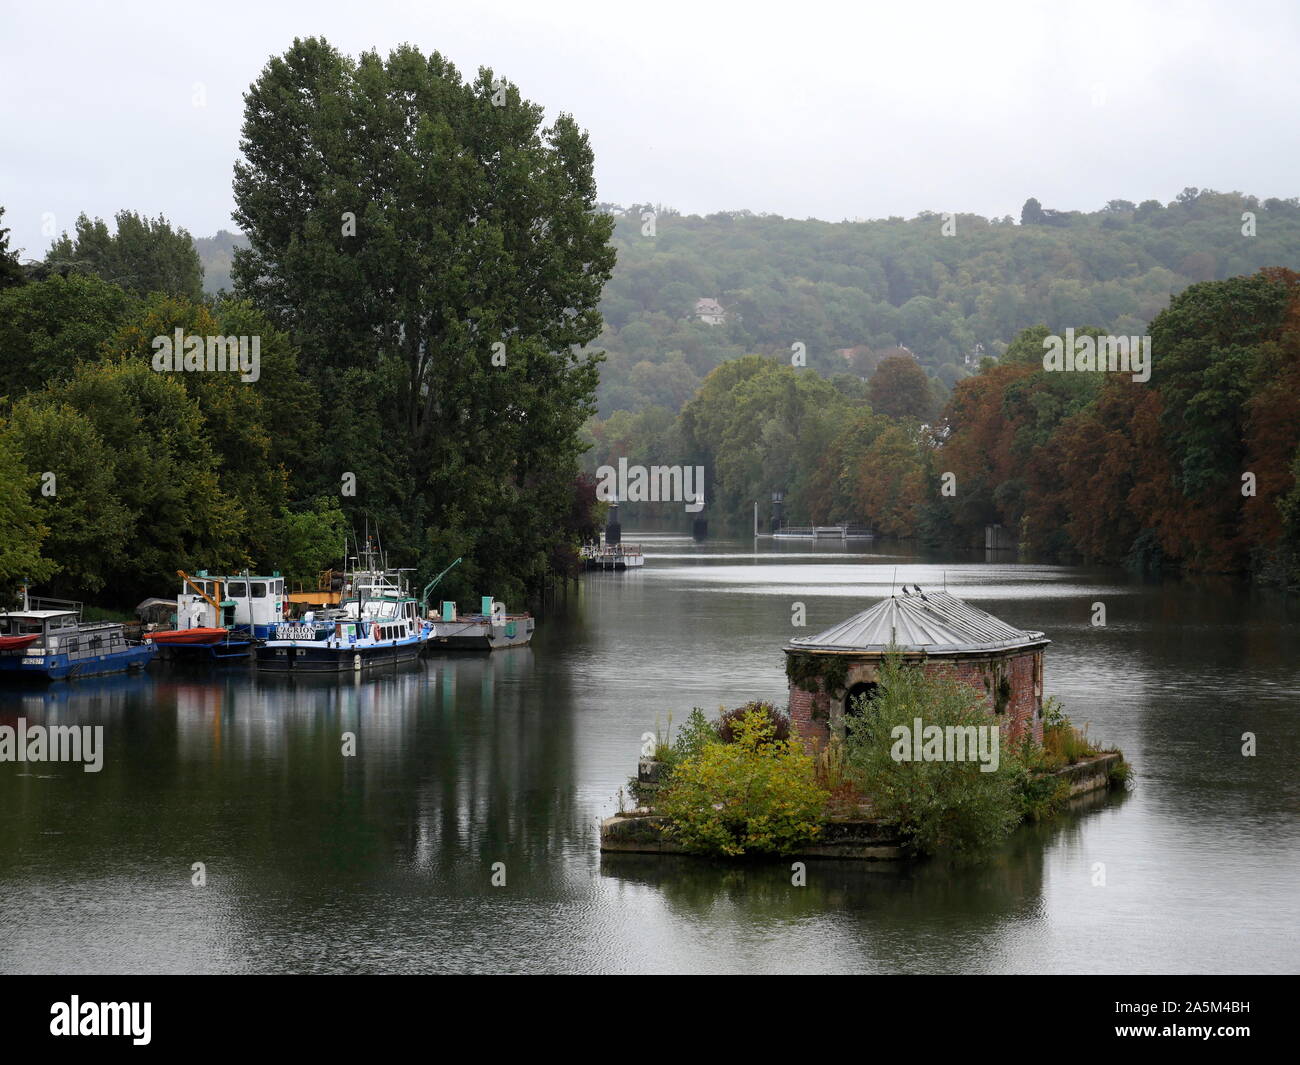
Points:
(474, 769)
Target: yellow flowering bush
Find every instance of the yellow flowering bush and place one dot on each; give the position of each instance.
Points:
(756, 794)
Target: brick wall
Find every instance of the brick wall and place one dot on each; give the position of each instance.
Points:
(812, 716)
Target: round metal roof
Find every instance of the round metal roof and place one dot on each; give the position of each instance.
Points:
(931, 622)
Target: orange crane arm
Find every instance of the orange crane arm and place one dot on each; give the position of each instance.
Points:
(199, 590)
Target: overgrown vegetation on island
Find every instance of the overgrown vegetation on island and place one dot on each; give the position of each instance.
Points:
(743, 785)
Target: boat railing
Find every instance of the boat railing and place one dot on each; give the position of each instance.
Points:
(45, 603)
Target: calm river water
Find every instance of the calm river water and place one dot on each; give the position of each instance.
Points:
(383, 862)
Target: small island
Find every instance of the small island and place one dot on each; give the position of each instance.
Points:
(916, 727)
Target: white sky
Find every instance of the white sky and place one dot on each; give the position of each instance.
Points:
(808, 109)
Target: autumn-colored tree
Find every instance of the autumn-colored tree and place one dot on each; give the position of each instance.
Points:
(890, 482)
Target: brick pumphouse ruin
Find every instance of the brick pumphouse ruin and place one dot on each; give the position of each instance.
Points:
(933, 629)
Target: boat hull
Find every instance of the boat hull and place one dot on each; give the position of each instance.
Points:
(480, 635)
(304, 658)
(235, 650)
(63, 667)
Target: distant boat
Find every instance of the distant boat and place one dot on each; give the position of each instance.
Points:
(611, 556)
(47, 640)
(823, 532)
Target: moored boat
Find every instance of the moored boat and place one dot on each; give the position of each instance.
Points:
(215, 617)
(47, 640)
(611, 556)
(490, 630)
(178, 637)
(378, 623)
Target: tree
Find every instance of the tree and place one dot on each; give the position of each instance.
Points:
(900, 389)
(1031, 214)
(438, 255)
(156, 488)
(308, 540)
(21, 530)
(145, 255)
(11, 273)
(47, 327)
(89, 527)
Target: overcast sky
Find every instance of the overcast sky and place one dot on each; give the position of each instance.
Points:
(805, 109)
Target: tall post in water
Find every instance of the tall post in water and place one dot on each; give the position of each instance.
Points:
(700, 528)
(778, 510)
(613, 530)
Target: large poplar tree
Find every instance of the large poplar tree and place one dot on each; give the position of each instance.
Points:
(436, 252)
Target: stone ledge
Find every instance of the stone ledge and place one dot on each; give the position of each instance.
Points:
(1090, 775)
(862, 840)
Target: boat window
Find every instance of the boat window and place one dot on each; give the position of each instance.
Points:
(238, 590)
(279, 587)
(259, 589)
(26, 626)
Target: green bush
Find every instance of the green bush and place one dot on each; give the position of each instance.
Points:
(939, 805)
(692, 736)
(755, 795)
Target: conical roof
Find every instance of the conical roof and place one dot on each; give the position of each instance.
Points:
(931, 622)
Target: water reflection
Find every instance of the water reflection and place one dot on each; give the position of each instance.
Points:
(382, 861)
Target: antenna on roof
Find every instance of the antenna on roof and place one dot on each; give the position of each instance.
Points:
(891, 582)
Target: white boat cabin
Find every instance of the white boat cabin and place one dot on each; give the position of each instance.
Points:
(247, 601)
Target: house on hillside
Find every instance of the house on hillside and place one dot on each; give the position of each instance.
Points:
(710, 311)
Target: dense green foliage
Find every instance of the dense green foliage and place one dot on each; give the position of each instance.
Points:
(21, 530)
(46, 327)
(940, 805)
(437, 251)
(11, 271)
(143, 255)
(754, 795)
(1196, 467)
(851, 291)
(422, 279)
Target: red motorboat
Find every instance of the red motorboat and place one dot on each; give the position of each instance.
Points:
(187, 637)
(17, 643)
